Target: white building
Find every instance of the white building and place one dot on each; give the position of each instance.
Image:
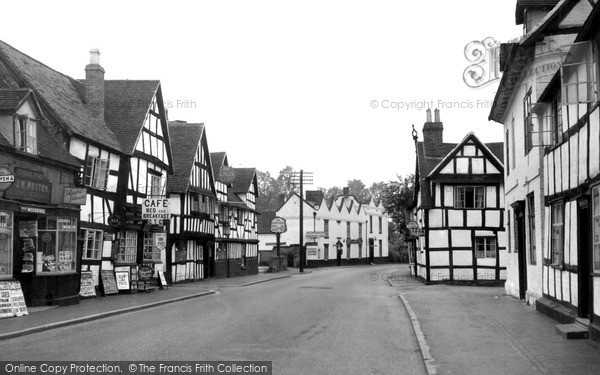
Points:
(360, 231)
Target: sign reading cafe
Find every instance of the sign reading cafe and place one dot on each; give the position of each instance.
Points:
(155, 210)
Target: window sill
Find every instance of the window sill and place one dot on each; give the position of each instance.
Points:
(155, 261)
(55, 273)
(557, 267)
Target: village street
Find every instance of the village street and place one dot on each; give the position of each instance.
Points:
(346, 320)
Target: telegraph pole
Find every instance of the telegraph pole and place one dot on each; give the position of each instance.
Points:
(299, 176)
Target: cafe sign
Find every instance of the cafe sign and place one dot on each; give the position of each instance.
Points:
(155, 210)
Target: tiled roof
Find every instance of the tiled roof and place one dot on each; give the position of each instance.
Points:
(218, 159)
(126, 104)
(61, 96)
(185, 138)
(10, 100)
(264, 221)
(244, 177)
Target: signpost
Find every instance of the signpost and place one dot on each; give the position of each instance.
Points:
(278, 226)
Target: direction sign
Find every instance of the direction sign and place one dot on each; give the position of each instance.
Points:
(278, 225)
(315, 234)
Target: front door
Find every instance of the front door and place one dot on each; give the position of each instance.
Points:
(584, 256)
(371, 250)
(521, 253)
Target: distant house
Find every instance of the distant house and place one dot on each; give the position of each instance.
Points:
(341, 231)
(192, 195)
(236, 233)
(459, 208)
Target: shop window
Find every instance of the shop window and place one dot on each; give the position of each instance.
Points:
(531, 222)
(26, 135)
(96, 172)
(127, 247)
(469, 197)
(6, 243)
(57, 244)
(596, 228)
(558, 237)
(92, 245)
(221, 252)
(485, 247)
(150, 252)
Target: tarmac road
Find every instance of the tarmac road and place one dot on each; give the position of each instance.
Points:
(330, 321)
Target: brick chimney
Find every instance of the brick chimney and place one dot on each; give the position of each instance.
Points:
(94, 85)
(433, 135)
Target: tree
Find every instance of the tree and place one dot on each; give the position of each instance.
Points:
(284, 181)
(333, 192)
(359, 191)
(396, 198)
(376, 190)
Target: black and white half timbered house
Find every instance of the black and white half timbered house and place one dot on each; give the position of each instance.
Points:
(192, 196)
(459, 208)
(236, 232)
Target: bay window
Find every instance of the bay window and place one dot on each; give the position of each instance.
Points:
(126, 247)
(579, 88)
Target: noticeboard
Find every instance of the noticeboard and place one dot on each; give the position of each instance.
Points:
(12, 301)
(87, 288)
(122, 279)
(162, 279)
(108, 282)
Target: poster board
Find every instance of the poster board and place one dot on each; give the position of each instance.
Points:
(87, 288)
(108, 282)
(122, 279)
(162, 280)
(12, 301)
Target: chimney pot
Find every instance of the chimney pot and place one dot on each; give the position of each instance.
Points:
(437, 115)
(428, 116)
(95, 56)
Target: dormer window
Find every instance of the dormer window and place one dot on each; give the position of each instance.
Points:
(26, 134)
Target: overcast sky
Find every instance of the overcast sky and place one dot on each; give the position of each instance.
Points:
(286, 83)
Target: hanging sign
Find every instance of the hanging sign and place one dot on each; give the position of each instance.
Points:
(155, 210)
(87, 284)
(278, 225)
(160, 241)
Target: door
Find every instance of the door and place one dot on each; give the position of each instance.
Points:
(584, 256)
(371, 250)
(519, 210)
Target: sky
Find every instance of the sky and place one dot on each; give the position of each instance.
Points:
(330, 87)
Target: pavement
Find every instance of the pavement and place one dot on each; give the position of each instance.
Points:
(49, 317)
(480, 330)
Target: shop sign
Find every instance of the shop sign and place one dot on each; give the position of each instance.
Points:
(6, 178)
(160, 241)
(145, 273)
(155, 210)
(74, 195)
(87, 288)
(315, 234)
(115, 220)
(30, 185)
(226, 175)
(311, 252)
(108, 282)
(33, 210)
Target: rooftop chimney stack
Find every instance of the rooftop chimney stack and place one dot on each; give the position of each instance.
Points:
(346, 192)
(433, 135)
(94, 85)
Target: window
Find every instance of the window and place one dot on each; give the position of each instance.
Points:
(348, 233)
(380, 225)
(558, 237)
(326, 227)
(485, 247)
(509, 244)
(469, 197)
(596, 228)
(380, 248)
(26, 135)
(6, 245)
(512, 143)
(579, 90)
(557, 121)
(96, 173)
(359, 230)
(155, 185)
(150, 252)
(527, 122)
(224, 214)
(58, 244)
(92, 243)
(326, 251)
(240, 217)
(531, 221)
(370, 223)
(243, 255)
(127, 247)
(348, 245)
